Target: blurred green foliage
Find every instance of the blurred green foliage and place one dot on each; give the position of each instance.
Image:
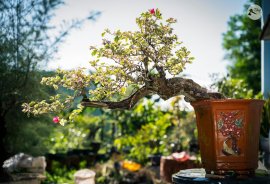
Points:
(148, 140)
(137, 133)
(243, 48)
(60, 174)
(184, 131)
(161, 133)
(73, 135)
(30, 138)
(25, 134)
(26, 46)
(234, 87)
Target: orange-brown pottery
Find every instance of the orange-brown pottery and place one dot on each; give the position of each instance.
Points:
(228, 132)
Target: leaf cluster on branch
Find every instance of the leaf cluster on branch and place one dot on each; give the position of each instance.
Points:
(127, 67)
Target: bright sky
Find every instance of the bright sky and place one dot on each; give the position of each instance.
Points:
(200, 26)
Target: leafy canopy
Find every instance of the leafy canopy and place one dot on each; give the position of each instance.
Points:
(243, 47)
(126, 61)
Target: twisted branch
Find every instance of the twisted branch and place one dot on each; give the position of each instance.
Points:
(165, 88)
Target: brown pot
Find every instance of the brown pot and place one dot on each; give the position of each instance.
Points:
(228, 133)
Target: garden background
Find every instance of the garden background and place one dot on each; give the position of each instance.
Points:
(37, 37)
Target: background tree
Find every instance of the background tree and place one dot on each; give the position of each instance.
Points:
(233, 87)
(243, 46)
(25, 46)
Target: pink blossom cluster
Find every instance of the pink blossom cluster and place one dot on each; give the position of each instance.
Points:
(56, 119)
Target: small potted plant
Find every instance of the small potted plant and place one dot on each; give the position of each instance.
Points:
(146, 62)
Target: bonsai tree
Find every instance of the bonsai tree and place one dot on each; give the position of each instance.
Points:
(127, 67)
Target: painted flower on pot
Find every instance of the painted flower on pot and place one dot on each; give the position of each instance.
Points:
(230, 125)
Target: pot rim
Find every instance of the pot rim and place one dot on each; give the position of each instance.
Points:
(228, 100)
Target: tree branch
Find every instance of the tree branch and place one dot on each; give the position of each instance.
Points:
(165, 89)
(190, 89)
(124, 104)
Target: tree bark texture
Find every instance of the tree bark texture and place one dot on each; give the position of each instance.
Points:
(165, 88)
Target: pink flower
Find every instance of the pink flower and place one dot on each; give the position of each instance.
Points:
(152, 11)
(56, 119)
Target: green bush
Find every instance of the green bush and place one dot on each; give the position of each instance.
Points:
(150, 139)
(233, 87)
(76, 135)
(160, 133)
(59, 175)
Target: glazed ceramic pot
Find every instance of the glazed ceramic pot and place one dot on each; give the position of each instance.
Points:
(228, 133)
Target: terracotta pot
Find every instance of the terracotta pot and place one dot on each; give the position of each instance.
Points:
(169, 166)
(228, 133)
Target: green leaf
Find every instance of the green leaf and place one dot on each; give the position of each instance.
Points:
(116, 38)
(94, 52)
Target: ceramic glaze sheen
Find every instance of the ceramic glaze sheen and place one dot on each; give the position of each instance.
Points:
(228, 132)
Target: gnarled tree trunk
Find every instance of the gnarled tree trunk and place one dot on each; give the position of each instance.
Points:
(165, 88)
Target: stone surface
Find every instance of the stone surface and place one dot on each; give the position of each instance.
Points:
(85, 176)
(25, 169)
(25, 163)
